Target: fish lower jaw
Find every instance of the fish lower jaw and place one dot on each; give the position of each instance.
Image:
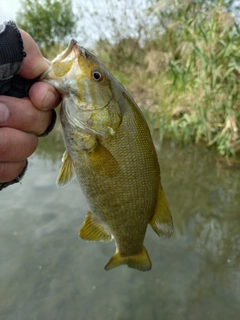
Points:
(54, 81)
(58, 83)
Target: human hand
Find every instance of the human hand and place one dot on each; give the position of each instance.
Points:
(23, 119)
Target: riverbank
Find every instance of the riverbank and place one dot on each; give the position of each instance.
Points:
(186, 79)
(181, 64)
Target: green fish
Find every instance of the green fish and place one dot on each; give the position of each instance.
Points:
(110, 149)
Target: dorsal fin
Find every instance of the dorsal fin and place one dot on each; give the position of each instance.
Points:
(161, 221)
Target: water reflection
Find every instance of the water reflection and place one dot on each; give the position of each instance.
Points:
(209, 220)
(46, 272)
(51, 147)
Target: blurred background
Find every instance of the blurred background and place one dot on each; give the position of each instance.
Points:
(180, 62)
(179, 58)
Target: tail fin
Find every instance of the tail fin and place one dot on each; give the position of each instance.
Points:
(138, 261)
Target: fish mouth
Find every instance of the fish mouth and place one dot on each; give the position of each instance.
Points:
(68, 54)
(63, 55)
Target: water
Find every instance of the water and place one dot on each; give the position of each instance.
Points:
(47, 272)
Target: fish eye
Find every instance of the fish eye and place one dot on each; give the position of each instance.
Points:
(97, 75)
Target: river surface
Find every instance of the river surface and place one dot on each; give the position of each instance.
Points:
(47, 272)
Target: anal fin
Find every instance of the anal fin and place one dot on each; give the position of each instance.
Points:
(92, 230)
(161, 221)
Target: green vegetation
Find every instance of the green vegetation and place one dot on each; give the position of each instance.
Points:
(204, 92)
(180, 59)
(50, 22)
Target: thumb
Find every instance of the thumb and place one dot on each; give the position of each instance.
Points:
(34, 63)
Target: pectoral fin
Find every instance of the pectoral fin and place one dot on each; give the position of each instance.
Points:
(92, 230)
(67, 172)
(138, 261)
(103, 162)
(161, 221)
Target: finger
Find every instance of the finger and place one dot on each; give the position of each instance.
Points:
(24, 116)
(34, 63)
(10, 170)
(44, 96)
(4, 113)
(16, 145)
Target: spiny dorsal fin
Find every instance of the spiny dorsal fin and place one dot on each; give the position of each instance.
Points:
(66, 173)
(161, 221)
(92, 230)
(138, 261)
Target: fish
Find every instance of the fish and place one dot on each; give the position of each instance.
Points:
(109, 148)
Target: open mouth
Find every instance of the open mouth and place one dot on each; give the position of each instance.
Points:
(63, 55)
(61, 63)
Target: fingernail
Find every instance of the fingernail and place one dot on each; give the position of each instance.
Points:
(49, 100)
(4, 112)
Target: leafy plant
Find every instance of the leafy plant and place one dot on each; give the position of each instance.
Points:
(180, 59)
(207, 73)
(50, 22)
